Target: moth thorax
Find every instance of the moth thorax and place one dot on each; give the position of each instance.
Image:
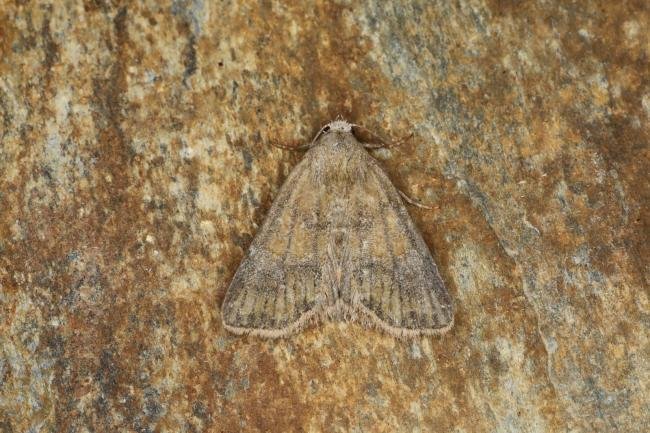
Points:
(343, 166)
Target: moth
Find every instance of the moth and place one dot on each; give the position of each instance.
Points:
(337, 243)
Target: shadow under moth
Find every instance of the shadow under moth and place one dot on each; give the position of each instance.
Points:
(337, 243)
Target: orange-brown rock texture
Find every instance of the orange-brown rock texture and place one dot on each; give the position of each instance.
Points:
(137, 163)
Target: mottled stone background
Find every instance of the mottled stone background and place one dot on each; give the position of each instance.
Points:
(137, 163)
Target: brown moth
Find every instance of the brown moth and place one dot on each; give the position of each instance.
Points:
(337, 243)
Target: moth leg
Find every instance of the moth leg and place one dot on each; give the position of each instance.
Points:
(388, 144)
(374, 145)
(283, 147)
(409, 200)
(399, 142)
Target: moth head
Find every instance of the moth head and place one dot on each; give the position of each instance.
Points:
(338, 126)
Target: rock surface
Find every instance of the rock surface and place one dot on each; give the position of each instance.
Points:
(137, 162)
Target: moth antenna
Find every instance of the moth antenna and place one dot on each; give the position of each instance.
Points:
(409, 200)
(383, 141)
(306, 145)
(318, 134)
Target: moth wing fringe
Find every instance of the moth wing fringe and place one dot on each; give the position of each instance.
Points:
(307, 318)
(356, 313)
